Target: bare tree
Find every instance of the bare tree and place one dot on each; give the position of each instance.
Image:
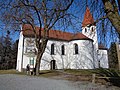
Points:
(47, 13)
(112, 12)
(106, 15)
(43, 13)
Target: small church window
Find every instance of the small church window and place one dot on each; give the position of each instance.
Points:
(85, 29)
(52, 49)
(63, 49)
(31, 60)
(76, 48)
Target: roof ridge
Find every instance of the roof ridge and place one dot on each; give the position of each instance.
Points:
(55, 34)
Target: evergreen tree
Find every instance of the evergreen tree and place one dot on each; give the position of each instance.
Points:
(1, 49)
(14, 54)
(8, 52)
(113, 59)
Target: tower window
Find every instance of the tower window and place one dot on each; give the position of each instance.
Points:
(52, 49)
(76, 48)
(85, 29)
(63, 49)
(92, 29)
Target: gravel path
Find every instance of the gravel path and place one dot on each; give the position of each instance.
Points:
(22, 82)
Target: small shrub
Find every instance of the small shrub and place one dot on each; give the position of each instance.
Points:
(111, 75)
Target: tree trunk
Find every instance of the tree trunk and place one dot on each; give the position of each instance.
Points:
(37, 65)
(39, 56)
(112, 14)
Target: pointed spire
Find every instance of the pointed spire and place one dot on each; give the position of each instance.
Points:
(88, 18)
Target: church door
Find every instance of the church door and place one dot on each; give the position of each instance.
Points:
(52, 64)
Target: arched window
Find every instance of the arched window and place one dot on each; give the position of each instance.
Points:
(92, 29)
(63, 49)
(85, 29)
(76, 48)
(52, 49)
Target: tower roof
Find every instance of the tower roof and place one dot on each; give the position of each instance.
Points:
(88, 18)
(101, 46)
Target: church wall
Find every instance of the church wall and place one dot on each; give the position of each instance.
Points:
(84, 59)
(28, 52)
(61, 60)
(91, 32)
(25, 61)
(20, 52)
(103, 58)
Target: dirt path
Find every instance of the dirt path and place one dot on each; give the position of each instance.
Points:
(22, 82)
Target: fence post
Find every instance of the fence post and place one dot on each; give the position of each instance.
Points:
(93, 78)
(118, 54)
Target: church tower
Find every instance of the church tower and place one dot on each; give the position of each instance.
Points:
(89, 30)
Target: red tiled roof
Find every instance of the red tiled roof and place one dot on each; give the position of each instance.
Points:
(101, 46)
(88, 18)
(53, 34)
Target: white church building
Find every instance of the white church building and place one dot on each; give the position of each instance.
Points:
(64, 50)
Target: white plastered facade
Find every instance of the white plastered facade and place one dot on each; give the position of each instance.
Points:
(89, 55)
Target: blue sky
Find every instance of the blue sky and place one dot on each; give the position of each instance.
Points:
(78, 10)
(3, 31)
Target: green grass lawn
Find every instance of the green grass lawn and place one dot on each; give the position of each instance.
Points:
(53, 72)
(49, 73)
(11, 71)
(81, 71)
(43, 73)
